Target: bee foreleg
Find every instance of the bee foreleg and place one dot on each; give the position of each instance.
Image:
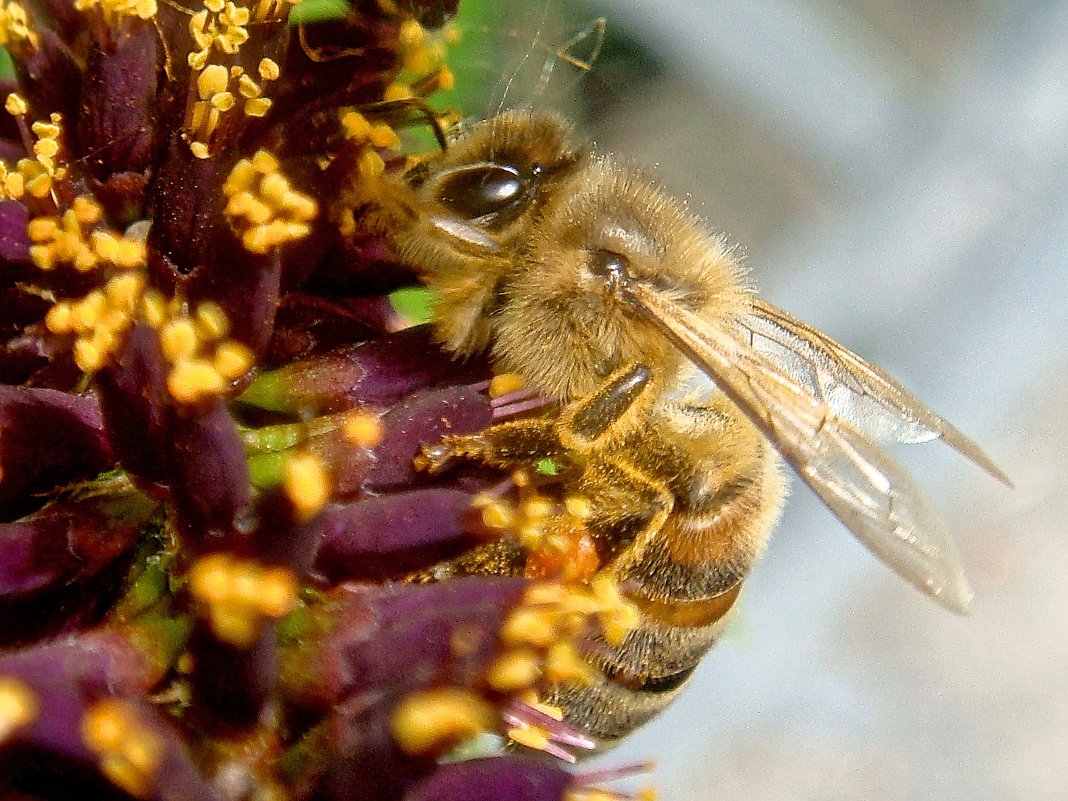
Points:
(516, 443)
(594, 416)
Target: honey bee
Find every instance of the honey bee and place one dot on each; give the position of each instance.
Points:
(679, 390)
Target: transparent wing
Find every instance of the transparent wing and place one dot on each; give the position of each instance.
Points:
(857, 480)
(856, 391)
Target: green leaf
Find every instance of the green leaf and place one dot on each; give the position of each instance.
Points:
(413, 303)
(547, 467)
(7, 66)
(310, 11)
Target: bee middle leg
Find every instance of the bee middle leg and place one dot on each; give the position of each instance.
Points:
(583, 425)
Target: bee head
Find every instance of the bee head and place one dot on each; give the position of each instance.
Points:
(564, 322)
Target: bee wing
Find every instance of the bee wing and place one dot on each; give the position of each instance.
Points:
(858, 481)
(858, 392)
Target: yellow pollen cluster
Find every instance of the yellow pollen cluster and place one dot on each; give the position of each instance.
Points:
(363, 428)
(129, 752)
(114, 9)
(221, 26)
(430, 721)
(422, 54)
(306, 483)
(361, 131)
(33, 176)
(15, 25)
(220, 91)
(527, 520)
(505, 384)
(98, 320)
(18, 706)
(552, 612)
(263, 207)
(240, 594)
(203, 361)
(73, 239)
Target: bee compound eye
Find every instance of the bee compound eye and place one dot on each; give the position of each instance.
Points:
(482, 190)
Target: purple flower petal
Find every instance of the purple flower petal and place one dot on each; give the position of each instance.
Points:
(505, 778)
(381, 372)
(47, 438)
(133, 397)
(209, 476)
(14, 241)
(392, 534)
(425, 417)
(117, 121)
(69, 540)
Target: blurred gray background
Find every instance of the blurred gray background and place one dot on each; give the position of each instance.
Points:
(896, 174)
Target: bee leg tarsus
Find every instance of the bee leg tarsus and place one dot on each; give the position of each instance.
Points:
(594, 415)
(433, 459)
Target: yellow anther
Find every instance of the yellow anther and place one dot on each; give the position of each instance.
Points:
(383, 136)
(18, 706)
(129, 753)
(223, 101)
(153, 308)
(46, 148)
(248, 88)
(211, 80)
(199, 150)
(43, 229)
(563, 665)
(529, 626)
(123, 291)
(515, 670)
(274, 188)
(211, 577)
(192, 379)
(46, 130)
(410, 33)
(432, 720)
(578, 506)
(233, 359)
(16, 105)
(357, 127)
(364, 429)
(549, 710)
(307, 484)
(87, 211)
(264, 162)
(87, 311)
(15, 185)
(397, 91)
(88, 356)
(446, 79)
(277, 593)
(258, 106)
(211, 320)
(530, 737)
(39, 187)
(370, 164)
(241, 177)
(179, 339)
(537, 507)
(269, 70)
(498, 515)
(59, 320)
(234, 625)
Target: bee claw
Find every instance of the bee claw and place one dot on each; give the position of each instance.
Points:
(433, 459)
